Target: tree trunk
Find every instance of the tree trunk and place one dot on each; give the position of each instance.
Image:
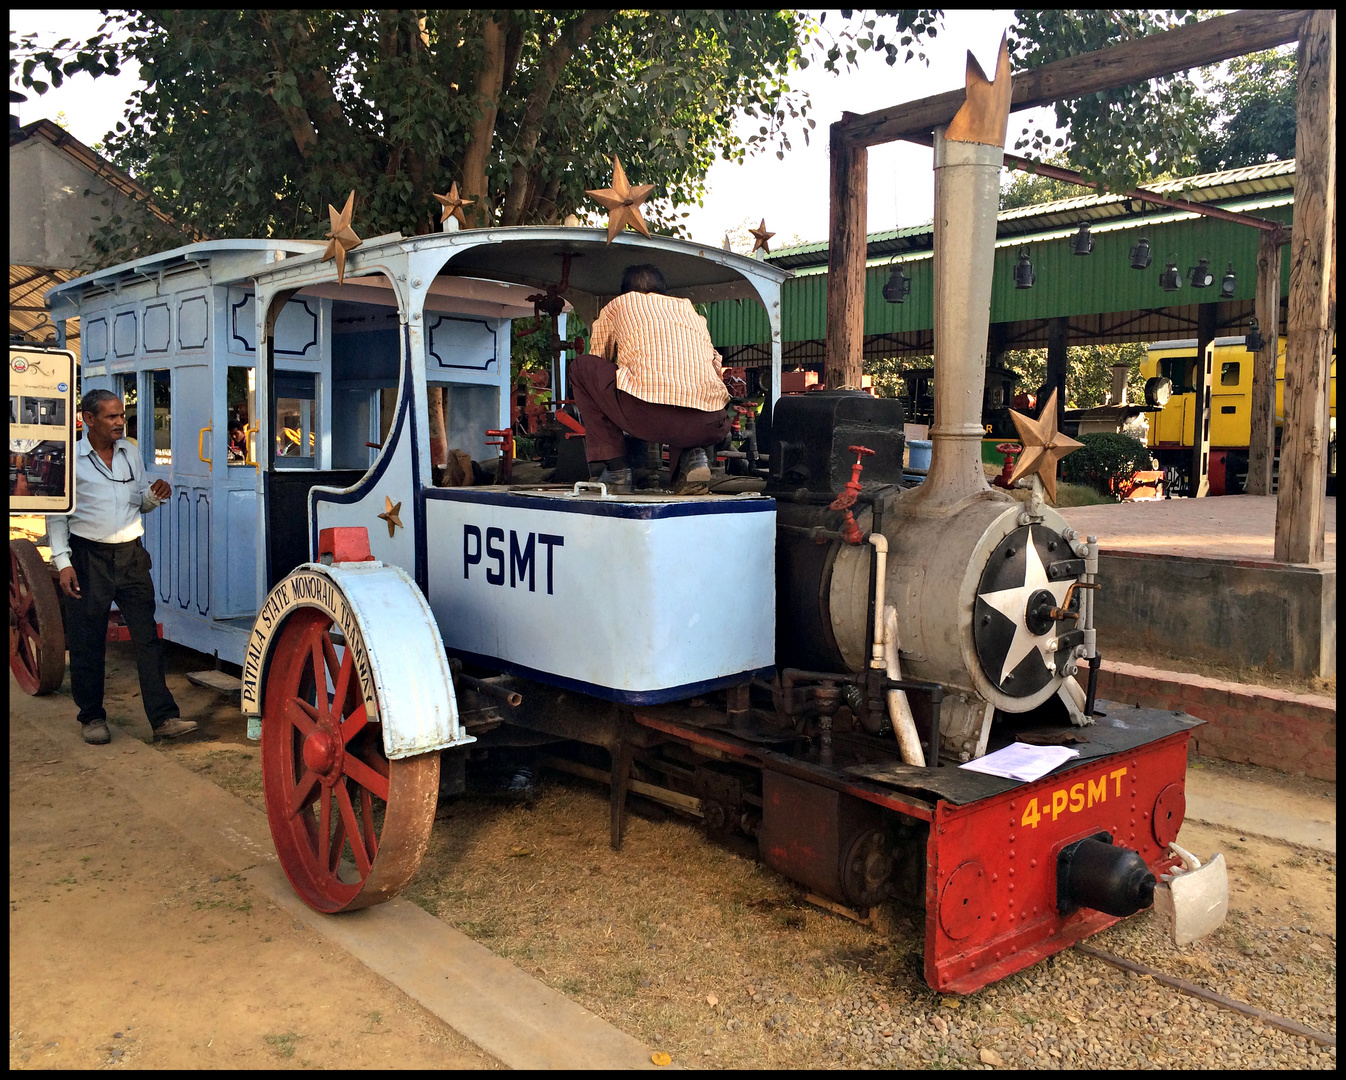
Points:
(1058, 367)
(844, 359)
(439, 446)
(1300, 503)
(568, 40)
(479, 141)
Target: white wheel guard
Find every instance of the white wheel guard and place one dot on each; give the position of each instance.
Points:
(405, 675)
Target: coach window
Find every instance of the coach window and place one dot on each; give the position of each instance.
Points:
(161, 385)
(1229, 373)
(295, 419)
(241, 392)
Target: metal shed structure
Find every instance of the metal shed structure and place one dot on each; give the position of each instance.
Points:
(1100, 297)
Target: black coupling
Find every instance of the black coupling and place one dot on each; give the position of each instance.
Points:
(1095, 873)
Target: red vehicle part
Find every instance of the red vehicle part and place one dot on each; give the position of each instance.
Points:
(117, 630)
(990, 890)
(36, 633)
(990, 874)
(350, 826)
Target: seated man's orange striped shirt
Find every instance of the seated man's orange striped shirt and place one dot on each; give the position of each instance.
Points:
(662, 350)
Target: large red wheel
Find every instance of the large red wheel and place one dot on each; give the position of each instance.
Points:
(350, 826)
(36, 635)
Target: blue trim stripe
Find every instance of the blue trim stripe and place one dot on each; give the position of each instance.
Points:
(621, 697)
(691, 506)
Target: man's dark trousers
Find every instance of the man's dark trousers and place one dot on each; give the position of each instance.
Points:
(108, 573)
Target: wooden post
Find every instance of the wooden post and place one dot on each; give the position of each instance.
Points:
(1205, 334)
(843, 360)
(1058, 363)
(1267, 306)
(1303, 474)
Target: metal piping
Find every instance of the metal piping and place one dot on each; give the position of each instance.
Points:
(899, 708)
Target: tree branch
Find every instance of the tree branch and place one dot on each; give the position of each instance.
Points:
(567, 42)
(487, 100)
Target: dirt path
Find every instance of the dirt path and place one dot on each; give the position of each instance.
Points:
(676, 941)
(129, 946)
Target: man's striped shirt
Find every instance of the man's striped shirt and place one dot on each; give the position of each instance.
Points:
(662, 350)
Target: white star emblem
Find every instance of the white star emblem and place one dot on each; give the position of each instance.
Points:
(1013, 604)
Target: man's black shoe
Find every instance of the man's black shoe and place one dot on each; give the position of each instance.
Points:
(96, 732)
(693, 473)
(618, 481)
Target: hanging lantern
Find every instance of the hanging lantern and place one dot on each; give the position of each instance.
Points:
(1200, 275)
(1082, 243)
(1170, 280)
(1023, 272)
(1140, 255)
(897, 288)
(1227, 285)
(1253, 341)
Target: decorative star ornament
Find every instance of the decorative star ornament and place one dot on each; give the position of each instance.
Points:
(1013, 604)
(453, 205)
(622, 201)
(761, 236)
(1043, 445)
(341, 238)
(390, 512)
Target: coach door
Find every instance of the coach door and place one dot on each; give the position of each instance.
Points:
(173, 418)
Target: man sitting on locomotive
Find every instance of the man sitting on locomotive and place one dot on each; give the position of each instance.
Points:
(654, 375)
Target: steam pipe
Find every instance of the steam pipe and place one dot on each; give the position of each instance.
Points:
(899, 708)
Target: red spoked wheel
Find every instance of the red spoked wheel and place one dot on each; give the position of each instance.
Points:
(350, 826)
(36, 634)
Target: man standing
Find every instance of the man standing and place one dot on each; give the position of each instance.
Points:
(653, 374)
(98, 552)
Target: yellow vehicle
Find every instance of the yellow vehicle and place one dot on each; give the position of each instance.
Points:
(1173, 421)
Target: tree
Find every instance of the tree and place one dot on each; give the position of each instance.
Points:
(253, 121)
(1120, 137)
(1029, 189)
(1249, 117)
(1088, 372)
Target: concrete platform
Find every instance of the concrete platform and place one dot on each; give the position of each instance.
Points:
(1195, 578)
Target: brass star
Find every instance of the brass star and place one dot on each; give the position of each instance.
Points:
(622, 201)
(453, 205)
(1043, 445)
(762, 236)
(341, 238)
(390, 512)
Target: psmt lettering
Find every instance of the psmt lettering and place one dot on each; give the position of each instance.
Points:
(521, 558)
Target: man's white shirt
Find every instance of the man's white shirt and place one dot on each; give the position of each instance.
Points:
(109, 500)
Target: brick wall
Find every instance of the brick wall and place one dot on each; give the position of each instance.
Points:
(1260, 725)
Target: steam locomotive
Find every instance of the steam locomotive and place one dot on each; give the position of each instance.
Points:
(805, 660)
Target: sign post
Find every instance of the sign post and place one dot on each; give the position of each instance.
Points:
(41, 430)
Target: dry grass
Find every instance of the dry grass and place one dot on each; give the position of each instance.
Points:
(687, 946)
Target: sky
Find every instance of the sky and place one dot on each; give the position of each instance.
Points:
(791, 195)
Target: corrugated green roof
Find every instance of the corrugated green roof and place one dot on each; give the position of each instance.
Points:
(1069, 285)
(1274, 176)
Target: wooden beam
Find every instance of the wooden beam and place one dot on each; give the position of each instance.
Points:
(1058, 366)
(1262, 443)
(1202, 43)
(846, 264)
(1300, 503)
